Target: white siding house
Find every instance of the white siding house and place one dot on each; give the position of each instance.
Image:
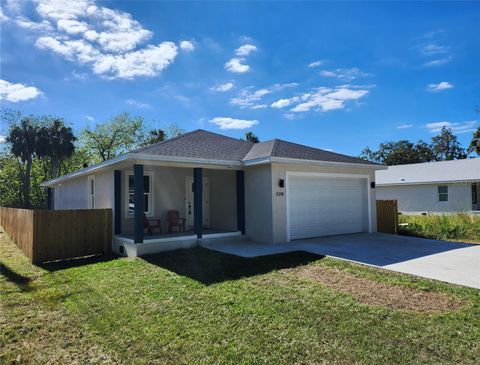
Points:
(432, 187)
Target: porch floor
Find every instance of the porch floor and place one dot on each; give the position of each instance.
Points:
(176, 234)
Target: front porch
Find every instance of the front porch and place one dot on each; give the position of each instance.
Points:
(209, 200)
(125, 245)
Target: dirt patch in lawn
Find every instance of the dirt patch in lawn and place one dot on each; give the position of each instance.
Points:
(373, 292)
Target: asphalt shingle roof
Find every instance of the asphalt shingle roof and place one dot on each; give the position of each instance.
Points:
(208, 145)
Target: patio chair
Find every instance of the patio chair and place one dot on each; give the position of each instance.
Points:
(150, 224)
(174, 220)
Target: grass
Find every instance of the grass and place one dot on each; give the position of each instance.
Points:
(458, 227)
(201, 307)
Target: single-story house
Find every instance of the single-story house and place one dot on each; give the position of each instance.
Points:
(272, 192)
(432, 187)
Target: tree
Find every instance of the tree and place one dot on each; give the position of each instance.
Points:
(23, 139)
(117, 135)
(154, 136)
(445, 146)
(56, 142)
(250, 137)
(399, 153)
(475, 143)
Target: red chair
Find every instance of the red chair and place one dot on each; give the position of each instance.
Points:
(150, 224)
(174, 220)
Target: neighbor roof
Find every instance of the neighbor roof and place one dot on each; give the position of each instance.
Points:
(208, 145)
(430, 172)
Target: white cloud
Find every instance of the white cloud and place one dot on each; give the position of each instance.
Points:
(281, 103)
(223, 87)
(325, 99)
(3, 139)
(245, 50)
(89, 117)
(235, 65)
(438, 62)
(137, 104)
(461, 127)
(344, 73)
(260, 106)
(404, 126)
(232, 123)
(444, 85)
(433, 49)
(187, 46)
(111, 42)
(17, 92)
(316, 63)
(248, 97)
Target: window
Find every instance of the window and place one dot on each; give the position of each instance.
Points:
(443, 193)
(147, 194)
(474, 193)
(91, 192)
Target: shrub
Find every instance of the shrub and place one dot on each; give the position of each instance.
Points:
(455, 227)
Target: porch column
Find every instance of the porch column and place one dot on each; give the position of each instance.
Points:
(241, 201)
(50, 198)
(198, 201)
(138, 194)
(117, 201)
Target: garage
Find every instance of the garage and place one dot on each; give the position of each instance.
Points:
(325, 205)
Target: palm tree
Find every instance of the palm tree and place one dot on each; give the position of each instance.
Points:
(154, 136)
(23, 140)
(250, 137)
(56, 143)
(475, 144)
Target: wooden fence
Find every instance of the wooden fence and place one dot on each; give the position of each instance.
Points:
(387, 216)
(48, 235)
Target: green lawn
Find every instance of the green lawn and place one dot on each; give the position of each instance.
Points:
(199, 306)
(455, 227)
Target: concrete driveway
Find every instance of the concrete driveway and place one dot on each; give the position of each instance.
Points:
(456, 263)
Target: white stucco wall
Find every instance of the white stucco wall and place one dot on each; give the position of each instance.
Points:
(424, 198)
(73, 194)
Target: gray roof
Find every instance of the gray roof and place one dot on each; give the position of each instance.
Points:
(430, 172)
(200, 144)
(208, 145)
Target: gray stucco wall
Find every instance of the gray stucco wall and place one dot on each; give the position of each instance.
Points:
(279, 207)
(169, 187)
(258, 203)
(424, 198)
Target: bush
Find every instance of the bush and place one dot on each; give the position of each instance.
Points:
(453, 227)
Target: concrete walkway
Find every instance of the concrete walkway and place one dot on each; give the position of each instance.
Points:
(456, 263)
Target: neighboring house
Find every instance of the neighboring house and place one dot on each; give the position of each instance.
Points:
(432, 187)
(272, 192)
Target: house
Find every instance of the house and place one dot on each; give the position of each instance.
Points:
(432, 187)
(272, 192)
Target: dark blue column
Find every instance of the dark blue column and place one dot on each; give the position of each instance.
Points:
(49, 198)
(241, 201)
(198, 201)
(138, 194)
(117, 201)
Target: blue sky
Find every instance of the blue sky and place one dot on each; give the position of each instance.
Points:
(337, 76)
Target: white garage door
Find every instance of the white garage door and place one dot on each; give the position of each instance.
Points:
(324, 206)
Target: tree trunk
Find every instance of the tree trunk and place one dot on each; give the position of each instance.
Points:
(26, 187)
(54, 167)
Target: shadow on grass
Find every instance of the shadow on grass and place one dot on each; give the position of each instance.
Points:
(76, 262)
(22, 282)
(210, 267)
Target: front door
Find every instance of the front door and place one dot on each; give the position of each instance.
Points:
(189, 202)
